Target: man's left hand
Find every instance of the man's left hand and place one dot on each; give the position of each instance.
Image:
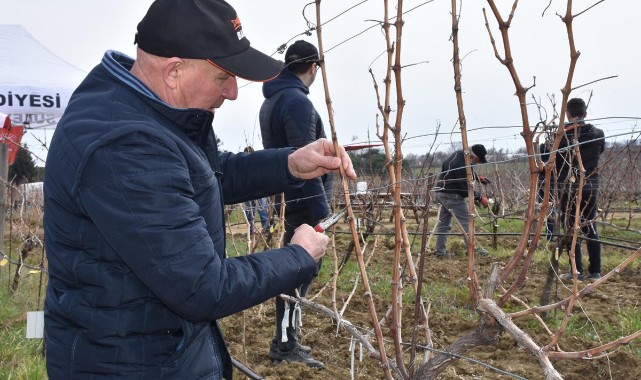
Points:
(318, 158)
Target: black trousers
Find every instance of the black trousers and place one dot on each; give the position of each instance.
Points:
(549, 221)
(588, 209)
(292, 221)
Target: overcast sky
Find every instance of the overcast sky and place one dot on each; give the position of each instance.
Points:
(608, 36)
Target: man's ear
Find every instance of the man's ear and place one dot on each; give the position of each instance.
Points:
(171, 71)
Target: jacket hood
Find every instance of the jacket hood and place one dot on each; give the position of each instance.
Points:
(286, 79)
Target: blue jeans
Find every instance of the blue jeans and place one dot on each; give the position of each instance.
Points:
(549, 221)
(256, 205)
(451, 204)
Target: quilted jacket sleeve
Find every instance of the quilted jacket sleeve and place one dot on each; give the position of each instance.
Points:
(256, 175)
(140, 193)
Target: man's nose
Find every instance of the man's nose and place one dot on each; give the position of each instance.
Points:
(230, 90)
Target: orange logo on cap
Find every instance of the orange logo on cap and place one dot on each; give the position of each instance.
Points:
(236, 23)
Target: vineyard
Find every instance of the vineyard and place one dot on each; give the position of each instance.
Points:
(384, 305)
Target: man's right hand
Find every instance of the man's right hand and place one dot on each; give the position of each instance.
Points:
(315, 243)
(318, 158)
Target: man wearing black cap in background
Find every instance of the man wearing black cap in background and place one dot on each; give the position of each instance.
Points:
(288, 118)
(134, 195)
(451, 194)
(591, 142)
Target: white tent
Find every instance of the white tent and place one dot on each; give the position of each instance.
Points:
(35, 84)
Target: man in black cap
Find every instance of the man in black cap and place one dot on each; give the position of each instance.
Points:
(134, 196)
(591, 142)
(451, 193)
(288, 118)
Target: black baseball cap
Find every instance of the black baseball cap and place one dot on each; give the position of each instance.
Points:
(480, 152)
(301, 51)
(203, 29)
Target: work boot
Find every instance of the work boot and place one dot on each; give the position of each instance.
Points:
(569, 276)
(307, 349)
(295, 355)
(274, 347)
(480, 252)
(444, 255)
(594, 276)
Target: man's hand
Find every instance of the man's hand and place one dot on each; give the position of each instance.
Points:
(481, 199)
(318, 158)
(315, 243)
(484, 180)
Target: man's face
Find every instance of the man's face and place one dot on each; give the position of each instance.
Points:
(316, 67)
(205, 86)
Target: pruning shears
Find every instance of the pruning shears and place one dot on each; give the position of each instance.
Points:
(329, 221)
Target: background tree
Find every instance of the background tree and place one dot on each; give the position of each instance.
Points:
(23, 169)
(371, 162)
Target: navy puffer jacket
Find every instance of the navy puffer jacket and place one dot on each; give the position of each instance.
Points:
(135, 235)
(288, 118)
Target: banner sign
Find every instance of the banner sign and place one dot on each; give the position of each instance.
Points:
(36, 121)
(34, 80)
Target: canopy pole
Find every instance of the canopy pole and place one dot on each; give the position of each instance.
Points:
(4, 173)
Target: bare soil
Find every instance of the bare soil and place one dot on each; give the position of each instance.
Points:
(248, 334)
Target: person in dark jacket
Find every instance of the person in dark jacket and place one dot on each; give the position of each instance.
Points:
(451, 194)
(591, 144)
(288, 118)
(134, 196)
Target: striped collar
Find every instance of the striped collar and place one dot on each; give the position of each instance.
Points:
(118, 65)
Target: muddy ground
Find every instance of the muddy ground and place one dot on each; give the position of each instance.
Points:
(249, 333)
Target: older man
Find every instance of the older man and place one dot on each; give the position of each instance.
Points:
(134, 195)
